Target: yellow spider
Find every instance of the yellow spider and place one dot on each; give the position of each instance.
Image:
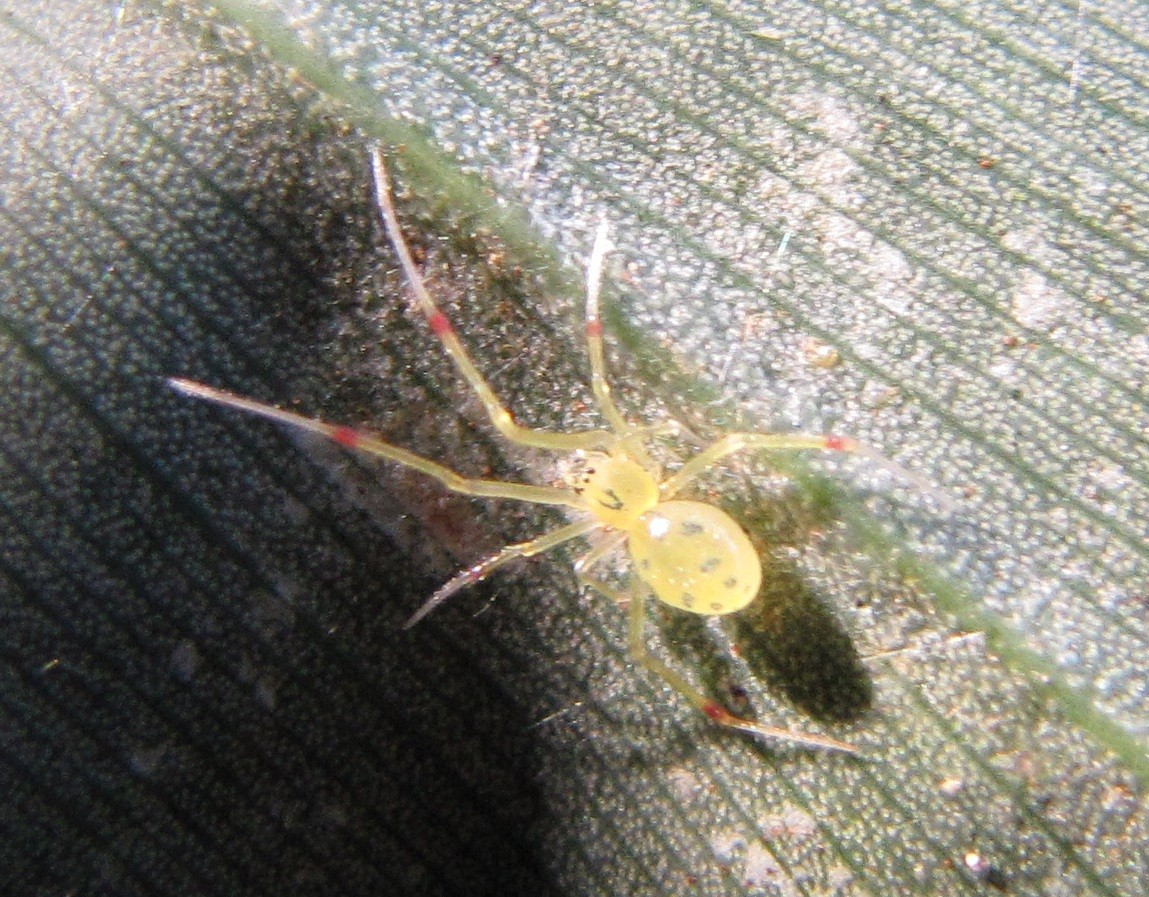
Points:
(689, 554)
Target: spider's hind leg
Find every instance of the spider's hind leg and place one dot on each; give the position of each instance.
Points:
(483, 568)
(714, 711)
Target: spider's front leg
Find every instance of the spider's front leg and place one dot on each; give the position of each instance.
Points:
(501, 418)
(732, 443)
(359, 441)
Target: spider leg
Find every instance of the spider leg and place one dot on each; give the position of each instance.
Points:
(584, 564)
(598, 380)
(710, 708)
(630, 438)
(372, 445)
(587, 440)
(479, 571)
(739, 442)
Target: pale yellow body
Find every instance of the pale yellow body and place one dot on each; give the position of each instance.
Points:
(693, 556)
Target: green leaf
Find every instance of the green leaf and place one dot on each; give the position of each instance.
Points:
(923, 227)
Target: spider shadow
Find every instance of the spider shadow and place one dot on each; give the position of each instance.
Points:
(791, 639)
(789, 636)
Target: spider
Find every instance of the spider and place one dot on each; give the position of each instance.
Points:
(691, 555)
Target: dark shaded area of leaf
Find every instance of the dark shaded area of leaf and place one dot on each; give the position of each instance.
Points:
(203, 688)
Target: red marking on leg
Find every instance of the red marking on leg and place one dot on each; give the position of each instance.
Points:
(440, 326)
(841, 444)
(716, 712)
(594, 328)
(346, 437)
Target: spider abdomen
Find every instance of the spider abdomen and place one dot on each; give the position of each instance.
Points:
(695, 557)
